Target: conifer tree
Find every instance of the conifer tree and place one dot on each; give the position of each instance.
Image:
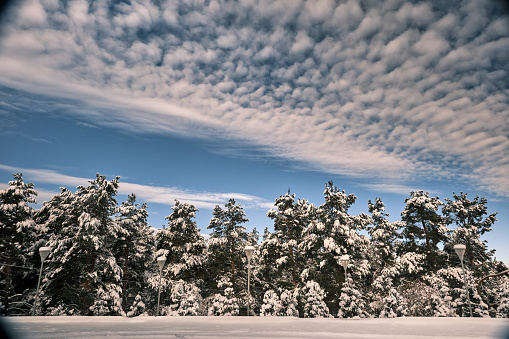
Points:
(424, 228)
(271, 305)
(185, 250)
(282, 250)
(182, 244)
(312, 298)
(84, 250)
(351, 302)
(471, 221)
(17, 236)
(133, 249)
(224, 304)
(225, 257)
(334, 234)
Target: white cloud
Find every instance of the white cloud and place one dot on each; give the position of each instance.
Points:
(145, 193)
(388, 91)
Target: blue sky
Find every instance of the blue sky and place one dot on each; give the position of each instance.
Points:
(203, 101)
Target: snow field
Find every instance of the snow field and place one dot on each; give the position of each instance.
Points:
(254, 327)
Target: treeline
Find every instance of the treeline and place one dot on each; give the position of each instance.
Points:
(103, 257)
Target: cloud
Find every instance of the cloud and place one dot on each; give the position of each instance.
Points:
(145, 193)
(390, 90)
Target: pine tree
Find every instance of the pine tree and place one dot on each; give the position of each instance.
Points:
(225, 304)
(424, 228)
(393, 305)
(334, 234)
(312, 296)
(351, 303)
(17, 235)
(271, 304)
(225, 257)
(137, 308)
(133, 249)
(185, 299)
(503, 306)
(289, 302)
(472, 222)
(182, 244)
(84, 250)
(282, 249)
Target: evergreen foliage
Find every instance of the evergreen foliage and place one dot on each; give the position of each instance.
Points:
(103, 257)
(17, 238)
(225, 256)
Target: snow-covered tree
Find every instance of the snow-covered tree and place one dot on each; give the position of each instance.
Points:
(351, 302)
(312, 298)
(289, 302)
(137, 308)
(281, 251)
(334, 234)
(503, 306)
(393, 305)
(271, 305)
(424, 230)
(471, 221)
(225, 256)
(185, 299)
(17, 236)
(225, 304)
(382, 255)
(182, 244)
(185, 250)
(84, 250)
(133, 249)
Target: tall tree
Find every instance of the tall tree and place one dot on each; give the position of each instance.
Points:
(336, 233)
(471, 221)
(282, 249)
(182, 244)
(226, 245)
(84, 250)
(424, 230)
(17, 232)
(133, 248)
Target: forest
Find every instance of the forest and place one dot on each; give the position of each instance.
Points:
(103, 257)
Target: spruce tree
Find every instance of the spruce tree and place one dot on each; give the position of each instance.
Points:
(17, 236)
(424, 230)
(471, 222)
(334, 234)
(84, 250)
(133, 249)
(282, 251)
(185, 249)
(225, 257)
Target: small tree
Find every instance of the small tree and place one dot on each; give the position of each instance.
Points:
(351, 303)
(503, 307)
(224, 304)
(271, 304)
(313, 300)
(185, 299)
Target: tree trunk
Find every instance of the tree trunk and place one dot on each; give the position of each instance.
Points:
(428, 246)
(7, 288)
(124, 285)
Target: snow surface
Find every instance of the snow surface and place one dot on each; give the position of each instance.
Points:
(254, 327)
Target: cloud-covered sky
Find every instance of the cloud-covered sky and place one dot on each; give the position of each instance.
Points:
(391, 94)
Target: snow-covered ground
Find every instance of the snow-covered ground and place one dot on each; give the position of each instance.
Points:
(254, 327)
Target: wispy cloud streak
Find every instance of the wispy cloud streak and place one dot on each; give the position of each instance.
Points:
(145, 193)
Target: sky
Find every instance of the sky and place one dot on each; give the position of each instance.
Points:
(203, 101)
